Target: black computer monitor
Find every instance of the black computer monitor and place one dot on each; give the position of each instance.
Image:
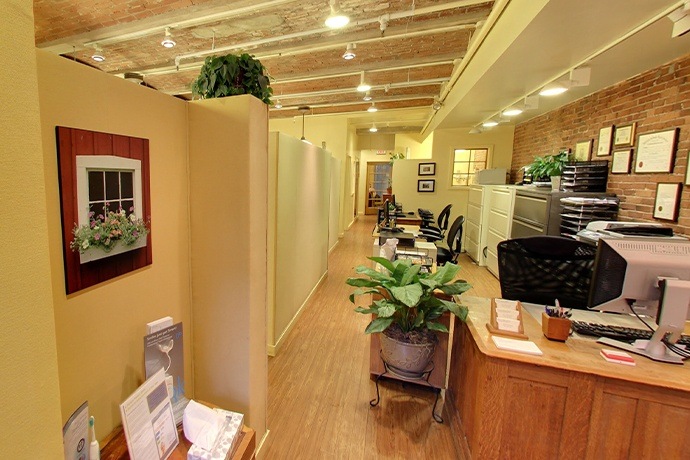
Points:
(645, 277)
(385, 221)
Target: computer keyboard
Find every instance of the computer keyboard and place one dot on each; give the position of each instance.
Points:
(624, 334)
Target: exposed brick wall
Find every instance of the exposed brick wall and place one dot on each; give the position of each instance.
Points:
(657, 100)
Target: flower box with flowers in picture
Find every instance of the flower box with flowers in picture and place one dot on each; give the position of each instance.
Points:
(108, 234)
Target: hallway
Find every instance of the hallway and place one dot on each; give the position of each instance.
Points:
(319, 386)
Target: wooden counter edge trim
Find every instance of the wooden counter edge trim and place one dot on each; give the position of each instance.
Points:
(494, 352)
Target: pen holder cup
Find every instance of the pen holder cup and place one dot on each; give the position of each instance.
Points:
(555, 328)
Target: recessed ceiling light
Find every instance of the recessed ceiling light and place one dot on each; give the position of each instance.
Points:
(553, 89)
(337, 19)
(512, 111)
(349, 52)
(168, 42)
(489, 124)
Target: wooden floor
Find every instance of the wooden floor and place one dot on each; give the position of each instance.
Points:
(319, 386)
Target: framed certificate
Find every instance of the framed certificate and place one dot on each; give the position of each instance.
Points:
(621, 161)
(605, 139)
(655, 151)
(583, 150)
(667, 201)
(625, 135)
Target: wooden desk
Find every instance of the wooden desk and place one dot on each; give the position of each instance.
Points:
(568, 403)
(115, 446)
(408, 219)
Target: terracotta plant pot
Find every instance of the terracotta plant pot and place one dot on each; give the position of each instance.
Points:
(555, 328)
(406, 359)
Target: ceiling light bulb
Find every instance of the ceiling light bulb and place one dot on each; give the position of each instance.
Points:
(168, 42)
(367, 96)
(278, 105)
(475, 130)
(512, 111)
(349, 52)
(97, 56)
(337, 19)
(363, 87)
(553, 89)
(373, 108)
(373, 129)
(489, 124)
(437, 104)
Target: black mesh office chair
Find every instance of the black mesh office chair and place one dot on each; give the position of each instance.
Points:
(432, 233)
(451, 253)
(541, 269)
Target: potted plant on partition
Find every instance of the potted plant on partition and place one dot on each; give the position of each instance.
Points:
(407, 305)
(549, 168)
(232, 75)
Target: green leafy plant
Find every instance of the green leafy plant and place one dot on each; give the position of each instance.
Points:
(231, 75)
(108, 229)
(549, 165)
(412, 300)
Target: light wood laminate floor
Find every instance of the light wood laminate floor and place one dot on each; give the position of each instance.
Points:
(319, 386)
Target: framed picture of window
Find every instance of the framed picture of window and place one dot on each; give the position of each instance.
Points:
(667, 201)
(625, 135)
(427, 185)
(426, 169)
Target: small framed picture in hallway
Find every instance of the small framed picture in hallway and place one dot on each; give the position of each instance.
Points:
(427, 185)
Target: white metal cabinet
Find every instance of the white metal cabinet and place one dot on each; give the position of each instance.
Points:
(501, 202)
(473, 223)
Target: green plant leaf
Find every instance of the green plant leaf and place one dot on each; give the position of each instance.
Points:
(365, 310)
(362, 282)
(410, 274)
(434, 326)
(455, 288)
(458, 310)
(378, 325)
(387, 264)
(386, 310)
(408, 295)
(373, 274)
(445, 274)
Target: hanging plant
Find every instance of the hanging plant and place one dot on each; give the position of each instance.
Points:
(232, 75)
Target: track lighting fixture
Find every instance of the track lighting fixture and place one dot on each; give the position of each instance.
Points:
(367, 97)
(337, 19)
(278, 104)
(553, 89)
(168, 42)
(97, 54)
(490, 123)
(437, 104)
(363, 87)
(349, 52)
(512, 111)
(373, 108)
(475, 130)
(373, 128)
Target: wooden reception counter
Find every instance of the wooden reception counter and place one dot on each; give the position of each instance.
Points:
(567, 404)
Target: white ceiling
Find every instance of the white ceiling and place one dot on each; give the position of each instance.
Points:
(535, 42)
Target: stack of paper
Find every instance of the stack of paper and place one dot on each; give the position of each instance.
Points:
(619, 357)
(520, 346)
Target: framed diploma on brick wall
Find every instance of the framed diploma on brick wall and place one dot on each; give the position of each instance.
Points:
(655, 151)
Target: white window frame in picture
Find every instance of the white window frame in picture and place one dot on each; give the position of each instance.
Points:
(85, 163)
(656, 151)
(667, 200)
(426, 169)
(605, 140)
(624, 135)
(620, 164)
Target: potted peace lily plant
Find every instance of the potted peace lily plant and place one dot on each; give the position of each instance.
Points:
(549, 168)
(232, 75)
(406, 305)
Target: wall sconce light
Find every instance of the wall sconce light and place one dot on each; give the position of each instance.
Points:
(336, 19)
(363, 87)
(373, 108)
(168, 42)
(349, 52)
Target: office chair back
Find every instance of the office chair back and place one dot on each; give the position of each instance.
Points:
(451, 253)
(541, 269)
(443, 218)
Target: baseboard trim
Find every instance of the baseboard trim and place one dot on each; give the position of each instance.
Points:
(260, 455)
(272, 350)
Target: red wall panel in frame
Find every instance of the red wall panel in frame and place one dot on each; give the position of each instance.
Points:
(72, 142)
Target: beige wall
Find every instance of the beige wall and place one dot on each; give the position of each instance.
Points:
(301, 228)
(30, 417)
(413, 146)
(333, 130)
(100, 330)
(228, 158)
